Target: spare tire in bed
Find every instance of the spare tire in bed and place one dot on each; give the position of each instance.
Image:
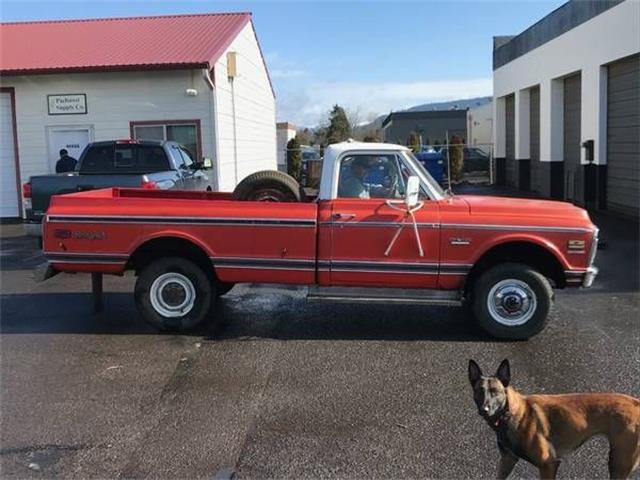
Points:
(268, 186)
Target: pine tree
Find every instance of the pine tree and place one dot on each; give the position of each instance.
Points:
(339, 128)
(294, 158)
(413, 142)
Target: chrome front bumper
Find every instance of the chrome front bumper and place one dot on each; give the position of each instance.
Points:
(590, 276)
(581, 278)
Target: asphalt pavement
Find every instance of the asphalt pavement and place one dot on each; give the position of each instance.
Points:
(287, 389)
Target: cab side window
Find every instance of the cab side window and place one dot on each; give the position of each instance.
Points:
(370, 176)
(177, 157)
(186, 157)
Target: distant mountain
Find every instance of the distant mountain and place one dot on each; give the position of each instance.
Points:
(452, 105)
(376, 125)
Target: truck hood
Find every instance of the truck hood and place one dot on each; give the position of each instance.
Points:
(523, 207)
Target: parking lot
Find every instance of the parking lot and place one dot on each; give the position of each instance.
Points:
(287, 389)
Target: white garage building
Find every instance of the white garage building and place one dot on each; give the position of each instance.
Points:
(197, 79)
(567, 105)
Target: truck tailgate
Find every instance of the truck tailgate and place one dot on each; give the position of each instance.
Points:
(43, 187)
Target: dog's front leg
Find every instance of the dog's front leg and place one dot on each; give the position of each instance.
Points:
(549, 470)
(505, 467)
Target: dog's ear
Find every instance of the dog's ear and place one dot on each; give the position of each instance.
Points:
(474, 372)
(504, 373)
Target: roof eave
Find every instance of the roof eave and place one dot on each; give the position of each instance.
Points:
(103, 68)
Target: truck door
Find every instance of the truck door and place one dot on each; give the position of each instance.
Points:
(364, 223)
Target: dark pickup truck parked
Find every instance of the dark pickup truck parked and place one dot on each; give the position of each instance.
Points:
(120, 163)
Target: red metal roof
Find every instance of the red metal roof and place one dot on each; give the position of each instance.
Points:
(117, 43)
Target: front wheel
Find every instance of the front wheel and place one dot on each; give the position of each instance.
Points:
(174, 294)
(512, 301)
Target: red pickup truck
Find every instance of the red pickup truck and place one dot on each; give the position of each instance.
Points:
(381, 230)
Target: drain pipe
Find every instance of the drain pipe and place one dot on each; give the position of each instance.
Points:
(213, 108)
(235, 132)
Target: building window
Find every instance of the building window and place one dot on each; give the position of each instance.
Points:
(185, 132)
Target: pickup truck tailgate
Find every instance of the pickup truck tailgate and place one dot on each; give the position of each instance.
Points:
(45, 186)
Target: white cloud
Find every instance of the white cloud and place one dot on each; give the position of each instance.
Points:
(309, 104)
(287, 73)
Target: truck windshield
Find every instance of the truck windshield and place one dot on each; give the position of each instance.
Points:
(434, 187)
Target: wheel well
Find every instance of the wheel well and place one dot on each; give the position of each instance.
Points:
(537, 257)
(169, 247)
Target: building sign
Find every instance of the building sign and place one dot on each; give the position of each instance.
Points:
(73, 104)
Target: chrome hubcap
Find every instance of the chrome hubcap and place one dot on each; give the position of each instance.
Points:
(512, 302)
(172, 295)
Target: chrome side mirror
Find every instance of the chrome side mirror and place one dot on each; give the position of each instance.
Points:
(413, 189)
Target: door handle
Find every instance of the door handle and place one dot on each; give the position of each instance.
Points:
(344, 216)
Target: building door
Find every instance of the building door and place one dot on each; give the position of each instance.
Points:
(534, 138)
(623, 136)
(573, 176)
(9, 198)
(72, 139)
(510, 141)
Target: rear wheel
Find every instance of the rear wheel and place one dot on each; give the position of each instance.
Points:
(512, 301)
(174, 294)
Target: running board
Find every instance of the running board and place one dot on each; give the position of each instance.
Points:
(386, 296)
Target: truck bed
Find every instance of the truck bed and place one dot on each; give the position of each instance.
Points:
(100, 230)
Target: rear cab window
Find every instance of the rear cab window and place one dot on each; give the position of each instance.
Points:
(124, 158)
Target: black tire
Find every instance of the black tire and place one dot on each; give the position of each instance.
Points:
(224, 288)
(268, 186)
(201, 286)
(532, 283)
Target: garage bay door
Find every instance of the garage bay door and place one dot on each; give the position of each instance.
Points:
(623, 136)
(573, 182)
(534, 138)
(8, 186)
(510, 140)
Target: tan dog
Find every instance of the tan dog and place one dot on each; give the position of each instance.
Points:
(543, 428)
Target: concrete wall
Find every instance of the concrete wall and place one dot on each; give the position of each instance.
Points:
(587, 48)
(246, 113)
(480, 126)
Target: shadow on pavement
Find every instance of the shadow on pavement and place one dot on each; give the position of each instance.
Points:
(19, 252)
(242, 317)
(70, 313)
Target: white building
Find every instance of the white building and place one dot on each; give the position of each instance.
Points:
(284, 132)
(567, 105)
(480, 126)
(198, 79)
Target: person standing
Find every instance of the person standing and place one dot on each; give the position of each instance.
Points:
(65, 163)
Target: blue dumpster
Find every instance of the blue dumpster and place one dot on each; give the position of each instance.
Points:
(434, 164)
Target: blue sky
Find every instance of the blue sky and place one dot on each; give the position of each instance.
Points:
(370, 56)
